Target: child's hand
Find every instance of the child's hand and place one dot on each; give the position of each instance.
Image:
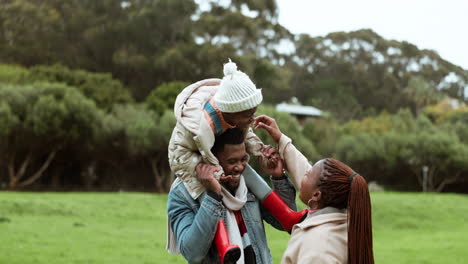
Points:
(270, 126)
(271, 161)
(271, 156)
(205, 174)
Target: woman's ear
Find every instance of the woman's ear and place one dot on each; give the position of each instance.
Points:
(315, 199)
(317, 196)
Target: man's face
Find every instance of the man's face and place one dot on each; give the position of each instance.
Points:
(241, 119)
(233, 159)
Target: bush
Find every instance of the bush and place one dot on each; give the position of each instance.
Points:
(100, 87)
(323, 133)
(40, 120)
(163, 97)
(396, 159)
(12, 73)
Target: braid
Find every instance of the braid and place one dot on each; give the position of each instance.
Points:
(359, 223)
(341, 191)
(334, 184)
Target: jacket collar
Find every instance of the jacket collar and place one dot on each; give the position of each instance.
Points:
(322, 216)
(215, 118)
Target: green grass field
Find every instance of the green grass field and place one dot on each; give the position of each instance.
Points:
(131, 228)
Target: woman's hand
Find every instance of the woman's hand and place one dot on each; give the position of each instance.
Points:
(270, 126)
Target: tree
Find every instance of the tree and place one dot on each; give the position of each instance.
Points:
(389, 156)
(250, 27)
(272, 79)
(39, 121)
(163, 97)
(31, 33)
(100, 87)
(323, 133)
(127, 40)
(371, 70)
(338, 99)
(443, 154)
(421, 94)
(134, 133)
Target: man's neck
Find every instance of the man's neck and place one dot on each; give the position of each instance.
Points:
(231, 191)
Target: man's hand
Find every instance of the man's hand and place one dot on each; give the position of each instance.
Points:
(205, 174)
(270, 126)
(272, 162)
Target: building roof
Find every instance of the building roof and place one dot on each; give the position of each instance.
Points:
(297, 109)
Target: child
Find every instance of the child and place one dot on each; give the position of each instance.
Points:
(208, 108)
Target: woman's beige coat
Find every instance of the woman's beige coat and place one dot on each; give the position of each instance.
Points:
(323, 236)
(320, 238)
(192, 137)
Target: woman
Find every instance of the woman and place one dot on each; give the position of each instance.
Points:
(338, 228)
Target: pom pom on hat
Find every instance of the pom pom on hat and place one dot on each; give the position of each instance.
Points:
(229, 68)
(236, 92)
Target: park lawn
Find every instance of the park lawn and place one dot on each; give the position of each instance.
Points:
(109, 228)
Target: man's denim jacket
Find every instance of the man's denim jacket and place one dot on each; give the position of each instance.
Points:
(194, 222)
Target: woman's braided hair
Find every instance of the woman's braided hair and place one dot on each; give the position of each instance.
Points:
(342, 188)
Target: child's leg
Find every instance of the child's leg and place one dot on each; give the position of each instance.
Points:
(271, 200)
(256, 184)
(227, 253)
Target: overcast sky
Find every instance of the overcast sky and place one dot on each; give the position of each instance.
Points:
(440, 25)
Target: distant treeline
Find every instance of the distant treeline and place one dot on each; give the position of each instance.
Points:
(87, 89)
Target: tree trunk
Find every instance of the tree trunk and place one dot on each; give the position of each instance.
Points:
(56, 178)
(431, 186)
(169, 180)
(157, 175)
(41, 170)
(15, 176)
(417, 173)
(447, 181)
(24, 166)
(13, 181)
(88, 174)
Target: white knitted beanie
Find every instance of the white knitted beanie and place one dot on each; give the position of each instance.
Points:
(236, 92)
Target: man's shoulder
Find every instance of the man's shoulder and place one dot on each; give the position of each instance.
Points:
(178, 189)
(179, 192)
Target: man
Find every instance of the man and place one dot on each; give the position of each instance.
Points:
(195, 222)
